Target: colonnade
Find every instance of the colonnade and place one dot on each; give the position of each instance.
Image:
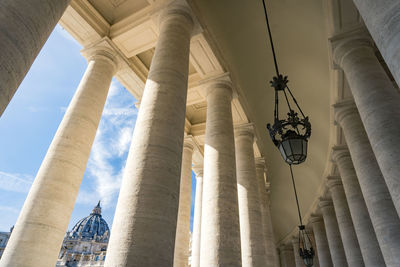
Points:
(358, 225)
(151, 223)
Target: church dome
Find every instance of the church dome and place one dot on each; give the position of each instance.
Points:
(92, 226)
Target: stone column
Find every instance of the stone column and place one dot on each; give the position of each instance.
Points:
(196, 236)
(382, 212)
(298, 260)
(383, 22)
(377, 101)
(143, 232)
(251, 224)
(24, 28)
(270, 248)
(333, 233)
(369, 245)
(321, 242)
(220, 232)
(287, 256)
(346, 227)
(43, 221)
(182, 237)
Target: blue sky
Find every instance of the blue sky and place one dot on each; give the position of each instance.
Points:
(31, 119)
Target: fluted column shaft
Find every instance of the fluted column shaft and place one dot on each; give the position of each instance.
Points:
(143, 232)
(321, 242)
(196, 236)
(378, 103)
(182, 236)
(43, 221)
(346, 227)
(333, 234)
(270, 248)
(287, 256)
(298, 260)
(220, 232)
(251, 224)
(383, 22)
(367, 240)
(24, 28)
(384, 217)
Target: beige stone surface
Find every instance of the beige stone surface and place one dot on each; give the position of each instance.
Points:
(144, 226)
(220, 231)
(44, 218)
(321, 241)
(298, 260)
(251, 223)
(377, 101)
(345, 223)
(182, 237)
(270, 248)
(287, 256)
(382, 212)
(381, 18)
(196, 236)
(333, 234)
(24, 28)
(367, 240)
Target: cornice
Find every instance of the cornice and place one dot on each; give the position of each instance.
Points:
(344, 108)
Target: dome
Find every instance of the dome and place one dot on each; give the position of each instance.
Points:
(91, 226)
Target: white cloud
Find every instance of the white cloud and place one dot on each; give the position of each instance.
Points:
(15, 182)
(9, 209)
(110, 147)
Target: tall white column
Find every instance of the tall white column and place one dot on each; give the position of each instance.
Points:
(251, 223)
(377, 101)
(24, 28)
(346, 227)
(220, 232)
(369, 245)
(182, 237)
(287, 256)
(321, 242)
(143, 232)
(196, 236)
(383, 22)
(298, 260)
(380, 206)
(333, 234)
(270, 248)
(43, 221)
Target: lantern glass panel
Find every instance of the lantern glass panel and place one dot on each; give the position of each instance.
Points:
(309, 262)
(293, 150)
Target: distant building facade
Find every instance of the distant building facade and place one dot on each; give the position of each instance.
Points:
(86, 244)
(4, 236)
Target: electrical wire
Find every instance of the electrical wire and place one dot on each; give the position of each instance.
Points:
(295, 193)
(270, 38)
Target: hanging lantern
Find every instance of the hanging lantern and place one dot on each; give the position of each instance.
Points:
(306, 250)
(289, 135)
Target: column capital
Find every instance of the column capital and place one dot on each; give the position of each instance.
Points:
(315, 218)
(345, 43)
(260, 163)
(198, 170)
(333, 181)
(219, 84)
(340, 152)
(189, 143)
(245, 130)
(325, 202)
(104, 49)
(285, 247)
(344, 108)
